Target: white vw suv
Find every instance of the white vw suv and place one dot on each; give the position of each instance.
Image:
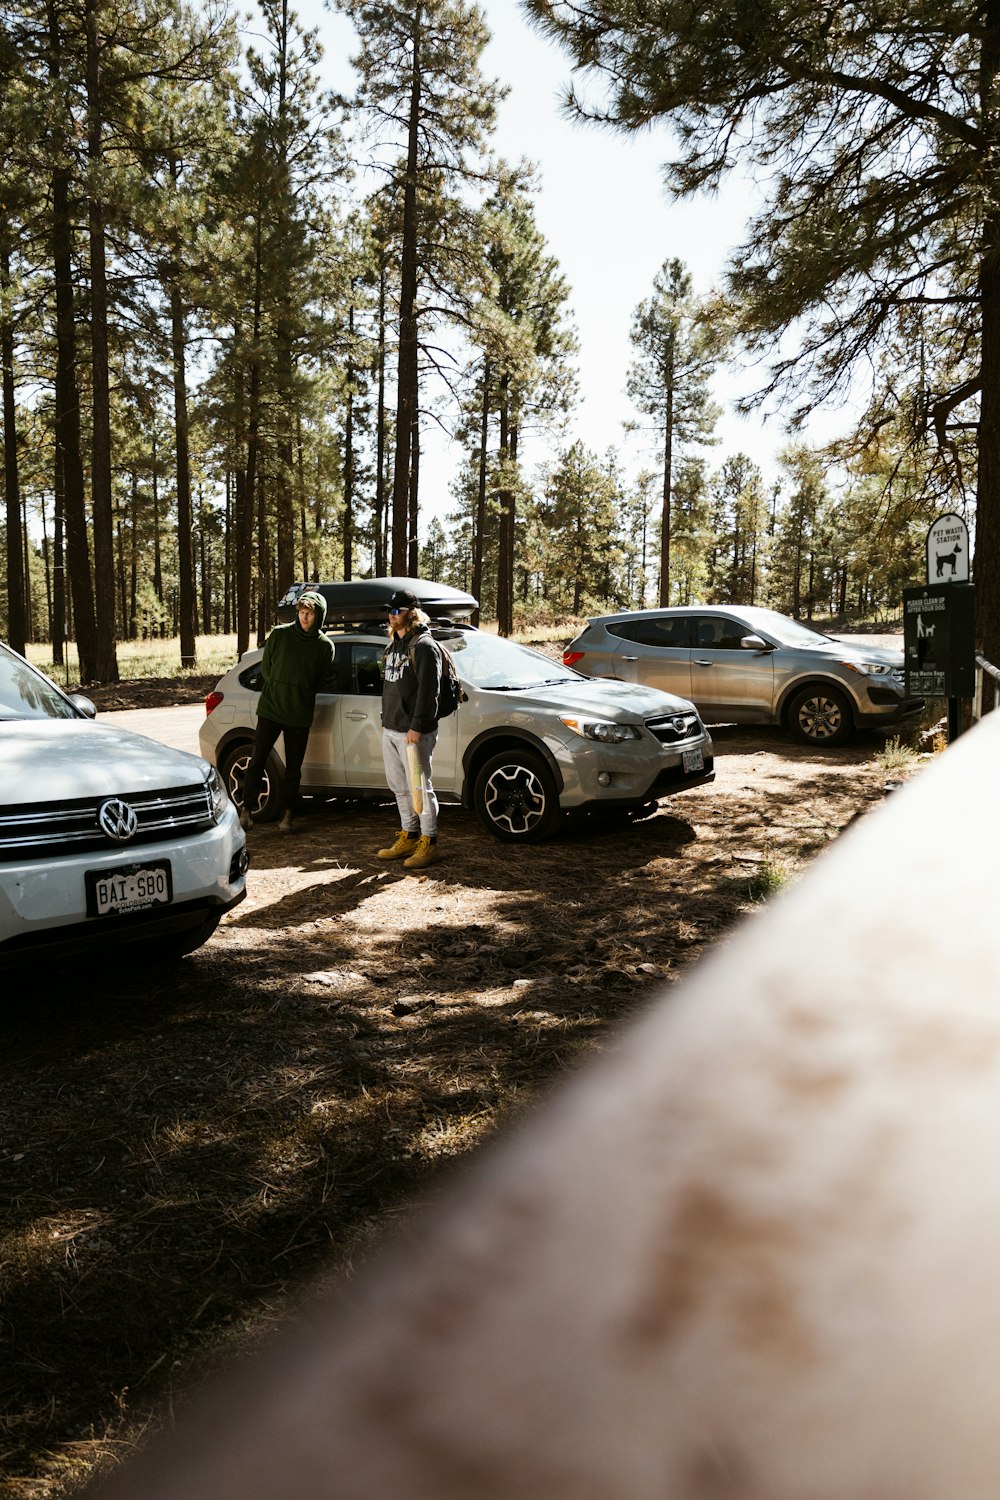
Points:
(105, 836)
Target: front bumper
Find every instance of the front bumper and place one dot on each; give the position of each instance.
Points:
(631, 773)
(892, 711)
(43, 903)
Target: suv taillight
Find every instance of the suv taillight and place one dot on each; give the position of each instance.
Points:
(212, 701)
(570, 658)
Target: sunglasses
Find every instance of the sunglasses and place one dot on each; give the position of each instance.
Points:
(400, 611)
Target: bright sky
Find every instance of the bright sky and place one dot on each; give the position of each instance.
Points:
(606, 219)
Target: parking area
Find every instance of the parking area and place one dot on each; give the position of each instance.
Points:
(180, 1150)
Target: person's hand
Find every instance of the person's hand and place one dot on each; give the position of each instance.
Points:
(413, 736)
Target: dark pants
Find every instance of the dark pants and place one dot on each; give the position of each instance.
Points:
(264, 740)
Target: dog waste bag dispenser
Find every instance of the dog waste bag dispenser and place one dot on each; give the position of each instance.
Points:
(939, 641)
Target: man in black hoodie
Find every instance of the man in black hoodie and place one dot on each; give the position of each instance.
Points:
(410, 692)
(297, 663)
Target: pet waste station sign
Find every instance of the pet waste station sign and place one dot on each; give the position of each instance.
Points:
(939, 641)
(948, 550)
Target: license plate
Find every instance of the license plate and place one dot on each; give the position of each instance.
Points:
(693, 760)
(128, 888)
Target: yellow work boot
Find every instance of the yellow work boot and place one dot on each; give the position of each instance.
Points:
(405, 844)
(423, 855)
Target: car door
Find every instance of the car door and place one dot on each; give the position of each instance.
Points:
(654, 651)
(361, 712)
(726, 679)
(323, 765)
(361, 722)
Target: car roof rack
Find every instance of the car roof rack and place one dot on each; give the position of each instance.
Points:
(364, 600)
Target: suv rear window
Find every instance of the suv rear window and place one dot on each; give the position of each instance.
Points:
(667, 630)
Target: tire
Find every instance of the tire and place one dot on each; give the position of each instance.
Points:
(233, 769)
(515, 797)
(820, 715)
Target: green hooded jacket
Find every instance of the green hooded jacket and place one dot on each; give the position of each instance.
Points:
(297, 664)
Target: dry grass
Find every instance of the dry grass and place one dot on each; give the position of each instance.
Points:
(145, 659)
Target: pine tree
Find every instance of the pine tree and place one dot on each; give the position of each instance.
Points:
(875, 130)
(669, 381)
(430, 108)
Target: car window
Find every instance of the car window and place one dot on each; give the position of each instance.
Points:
(719, 633)
(26, 694)
(489, 661)
(785, 631)
(364, 669)
(664, 630)
(252, 678)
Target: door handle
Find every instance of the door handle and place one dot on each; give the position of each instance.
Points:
(699, 661)
(356, 714)
(630, 658)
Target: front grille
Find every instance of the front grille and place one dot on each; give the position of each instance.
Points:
(46, 829)
(670, 729)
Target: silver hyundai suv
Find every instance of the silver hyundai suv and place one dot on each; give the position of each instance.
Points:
(531, 741)
(743, 665)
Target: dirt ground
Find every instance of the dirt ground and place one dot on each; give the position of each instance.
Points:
(181, 1152)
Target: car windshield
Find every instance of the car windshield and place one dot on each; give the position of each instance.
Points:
(488, 661)
(26, 694)
(785, 631)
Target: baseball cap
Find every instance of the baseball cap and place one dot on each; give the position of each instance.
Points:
(402, 599)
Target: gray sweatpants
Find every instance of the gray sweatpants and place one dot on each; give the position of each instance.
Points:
(397, 774)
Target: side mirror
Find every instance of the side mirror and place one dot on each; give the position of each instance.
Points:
(83, 705)
(755, 643)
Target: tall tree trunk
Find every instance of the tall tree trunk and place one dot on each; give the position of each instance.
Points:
(797, 580)
(284, 489)
(100, 468)
(505, 526)
(246, 485)
(665, 518)
(300, 495)
(69, 459)
(227, 557)
(160, 627)
(58, 617)
(348, 467)
(381, 550)
(133, 578)
(407, 374)
(17, 612)
(412, 554)
(47, 560)
(264, 560)
(185, 547)
(206, 571)
(244, 562)
(67, 430)
(479, 523)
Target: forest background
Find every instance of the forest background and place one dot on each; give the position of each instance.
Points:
(235, 308)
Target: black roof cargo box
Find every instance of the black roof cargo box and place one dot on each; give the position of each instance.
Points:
(366, 599)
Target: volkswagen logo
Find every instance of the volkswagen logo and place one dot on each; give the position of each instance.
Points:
(117, 819)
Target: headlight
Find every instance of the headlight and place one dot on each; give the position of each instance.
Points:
(601, 729)
(217, 794)
(870, 668)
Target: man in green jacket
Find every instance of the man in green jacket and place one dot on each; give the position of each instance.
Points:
(297, 664)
